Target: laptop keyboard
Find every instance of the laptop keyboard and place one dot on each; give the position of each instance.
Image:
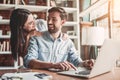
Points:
(83, 72)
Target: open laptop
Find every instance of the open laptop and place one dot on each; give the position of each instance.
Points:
(104, 62)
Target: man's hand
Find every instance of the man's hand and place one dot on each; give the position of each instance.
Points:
(89, 63)
(64, 66)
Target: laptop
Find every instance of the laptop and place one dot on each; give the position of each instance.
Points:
(104, 62)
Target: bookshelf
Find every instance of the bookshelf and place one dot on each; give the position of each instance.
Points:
(40, 7)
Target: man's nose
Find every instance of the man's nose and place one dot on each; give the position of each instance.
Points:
(49, 21)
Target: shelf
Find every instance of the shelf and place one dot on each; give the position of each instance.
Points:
(5, 52)
(4, 36)
(84, 23)
(73, 37)
(92, 7)
(37, 9)
(33, 7)
(70, 23)
(70, 10)
(4, 21)
(7, 6)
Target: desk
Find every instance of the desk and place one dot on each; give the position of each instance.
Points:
(114, 75)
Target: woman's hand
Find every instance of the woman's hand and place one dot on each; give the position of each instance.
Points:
(65, 36)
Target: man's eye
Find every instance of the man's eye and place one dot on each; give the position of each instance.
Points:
(54, 19)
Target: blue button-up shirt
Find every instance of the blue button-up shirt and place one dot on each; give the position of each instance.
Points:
(45, 48)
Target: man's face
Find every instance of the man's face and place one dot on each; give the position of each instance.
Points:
(54, 22)
(29, 24)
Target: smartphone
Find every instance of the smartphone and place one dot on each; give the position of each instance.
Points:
(43, 76)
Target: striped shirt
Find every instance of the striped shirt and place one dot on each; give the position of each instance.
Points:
(45, 48)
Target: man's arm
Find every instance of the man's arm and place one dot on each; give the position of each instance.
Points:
(37, 64)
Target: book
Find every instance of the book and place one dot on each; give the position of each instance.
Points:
(23, 2)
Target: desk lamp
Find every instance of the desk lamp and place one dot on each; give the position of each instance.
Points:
(93, 37)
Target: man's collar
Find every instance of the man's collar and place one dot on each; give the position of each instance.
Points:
(59, 38)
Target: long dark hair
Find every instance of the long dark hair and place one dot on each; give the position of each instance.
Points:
(17, 20)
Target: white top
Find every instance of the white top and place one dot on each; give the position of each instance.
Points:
(41, 25)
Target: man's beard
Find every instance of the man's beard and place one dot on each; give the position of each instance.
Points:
(54, 30)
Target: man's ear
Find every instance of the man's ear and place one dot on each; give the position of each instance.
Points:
(63, 21)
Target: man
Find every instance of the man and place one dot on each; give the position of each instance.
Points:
(50, 50)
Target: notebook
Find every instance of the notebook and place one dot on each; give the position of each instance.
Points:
(104, 62)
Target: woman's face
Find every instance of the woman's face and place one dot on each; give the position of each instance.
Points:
(29, 24)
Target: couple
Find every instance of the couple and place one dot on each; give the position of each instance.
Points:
(49, 49)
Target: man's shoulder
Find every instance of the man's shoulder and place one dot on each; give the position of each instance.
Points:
(66, 37)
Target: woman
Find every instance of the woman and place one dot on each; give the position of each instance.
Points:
(22, 26)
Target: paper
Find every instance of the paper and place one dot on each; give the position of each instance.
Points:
(24, 76)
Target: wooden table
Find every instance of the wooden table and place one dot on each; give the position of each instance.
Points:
(113, 75)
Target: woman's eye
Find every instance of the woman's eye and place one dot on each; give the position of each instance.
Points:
(30, 23)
